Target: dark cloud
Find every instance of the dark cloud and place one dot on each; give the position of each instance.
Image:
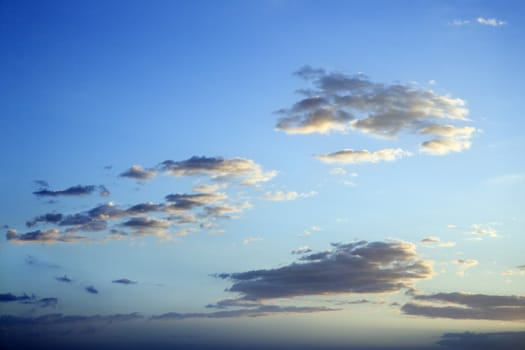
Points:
(124, 281)
(337, 102)
(521, 267)
(144, 208)
(52, 218)
(91, 289)
(483, 341)
(8, 297)
(71, 191)
(103, 191)
(358, 267)
(26, 299)
(139, 173)
(262, 310)
(145, 222)
(42, 236)
(460, 305)
(8, 321)
(245, 170)
(64, 279)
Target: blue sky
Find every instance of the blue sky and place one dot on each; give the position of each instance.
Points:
(270, 173)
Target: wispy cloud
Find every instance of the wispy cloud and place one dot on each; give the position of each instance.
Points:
(483, 341)
(492, 22)
(359, 267)
(463, 265)
(301, 250)
(433, 241)
(350, 156)
(261, 310)
(250, 239)
(280, 196)
(42, 236)
(124, 281)
(78, 190)
(459, 305)
(64, 279)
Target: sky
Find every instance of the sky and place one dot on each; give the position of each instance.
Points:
(262, 174)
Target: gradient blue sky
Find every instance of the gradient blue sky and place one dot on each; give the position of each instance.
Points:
(385, 135)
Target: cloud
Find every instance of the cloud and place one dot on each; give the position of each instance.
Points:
(144, 208)
(208, 188)
(248, 240)
(492, 22)
(33, 261)
(26, 299)
(124, 281)
(144, 223)
(42, 183)
(42, 236)
(279, 196)
(459, 305)
(358, 267)
(483, 230)
(464, 265)
(341, 102)
(189, 201)
(245, 170)
(433, 241)
(139, 173)
(8, 321)
(451, 139)
(46, 218)
(71, 191)
(483, 341)
(8, 297)
(350, 156)
(91, 289)
(64, 279)
(261, 310)
(459, 22)
(301, 250)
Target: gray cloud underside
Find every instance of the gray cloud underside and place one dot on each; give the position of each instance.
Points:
(218, 168)
(58, 319)
(139, 173)
(340, 102)
(262, 310)
(483, 341)
(124, 281)
(78, 190)
(91, 290)
(467, 306)
(64, 279)
(42, 236)
(26, 299)
(359, 267)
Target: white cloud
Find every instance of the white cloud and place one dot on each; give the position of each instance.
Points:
(279, 196)
(433, 241)
(492, 22)
(483, 230)
(459, 22)
(250, 239)
(464, 265)
(350, 156)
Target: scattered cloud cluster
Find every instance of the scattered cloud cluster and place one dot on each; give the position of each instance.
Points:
(459, 305)
(358, 267)
(479, 231)
(338, 102)
(187, 211)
